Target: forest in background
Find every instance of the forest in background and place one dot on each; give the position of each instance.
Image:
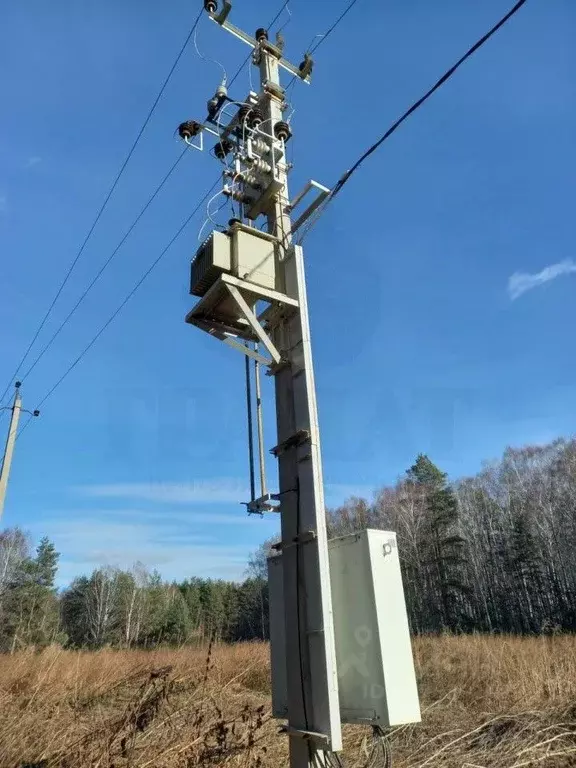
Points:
(492, 553)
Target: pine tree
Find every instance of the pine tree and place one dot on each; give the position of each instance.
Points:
(176, 620)
(46, 563)
(445, 556)
(31, 605)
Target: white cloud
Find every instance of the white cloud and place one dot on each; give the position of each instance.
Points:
(216, 491)
(520, 282)
(178, 544)
(32, 161)
(182, 529)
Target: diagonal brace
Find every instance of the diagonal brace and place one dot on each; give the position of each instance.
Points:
(246, 350)
(231, 341)
(253, 321)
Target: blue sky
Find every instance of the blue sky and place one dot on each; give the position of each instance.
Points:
(441, 280)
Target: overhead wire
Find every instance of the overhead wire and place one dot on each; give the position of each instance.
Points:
(126, 299)
(191, 35)
(104, 204)
(339, 185)
(209, 58)
(416, 105)
(323, 37)
(331, 29)
(103, 267)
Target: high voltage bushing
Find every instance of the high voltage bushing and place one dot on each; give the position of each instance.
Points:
(251, 115)
(188, 129)
(306, 66)
(261, 35)
(223, 148)
(282, 131)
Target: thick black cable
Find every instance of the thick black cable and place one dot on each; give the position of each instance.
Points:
(416, 105)
(126, 298)
(446, 76)
(105, 203)
(103, 267)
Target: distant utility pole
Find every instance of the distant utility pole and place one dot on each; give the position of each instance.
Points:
(235, 273)
(16, 409)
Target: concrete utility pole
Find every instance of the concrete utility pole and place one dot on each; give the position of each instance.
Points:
(235, 272)
(311, 659)
(16, 409)
(340, 643)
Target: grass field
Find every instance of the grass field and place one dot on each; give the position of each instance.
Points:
(487, 701)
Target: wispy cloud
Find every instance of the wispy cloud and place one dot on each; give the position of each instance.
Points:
(521, 282)
(32, 161)
(217, 491)
(183, 529)
(178, 544)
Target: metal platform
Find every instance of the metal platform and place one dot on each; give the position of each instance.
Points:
(227, 312)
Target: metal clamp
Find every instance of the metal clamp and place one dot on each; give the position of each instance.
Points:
(294, 441)
(303, 538)
(263, 504)
(298, 733)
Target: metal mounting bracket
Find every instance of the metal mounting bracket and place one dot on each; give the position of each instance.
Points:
(225, 313)
(249, 315)
(304, 538)
(323, 193)
(222, 20)
(263, 504)
(200, 145)
(299, 438)
(320, 738)
(223, 15)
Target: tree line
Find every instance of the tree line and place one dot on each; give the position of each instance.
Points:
(120, 608)
(491, 553)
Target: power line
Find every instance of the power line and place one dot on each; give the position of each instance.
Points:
(103, 267)
(125, 300)
(323, 37)
(66, 320)
(416, 105)
(329, 31)
(105, 203)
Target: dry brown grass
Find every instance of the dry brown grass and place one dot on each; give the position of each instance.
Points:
(487, 702)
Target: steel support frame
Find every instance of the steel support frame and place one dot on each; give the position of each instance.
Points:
(235, 287)
(251, 318)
